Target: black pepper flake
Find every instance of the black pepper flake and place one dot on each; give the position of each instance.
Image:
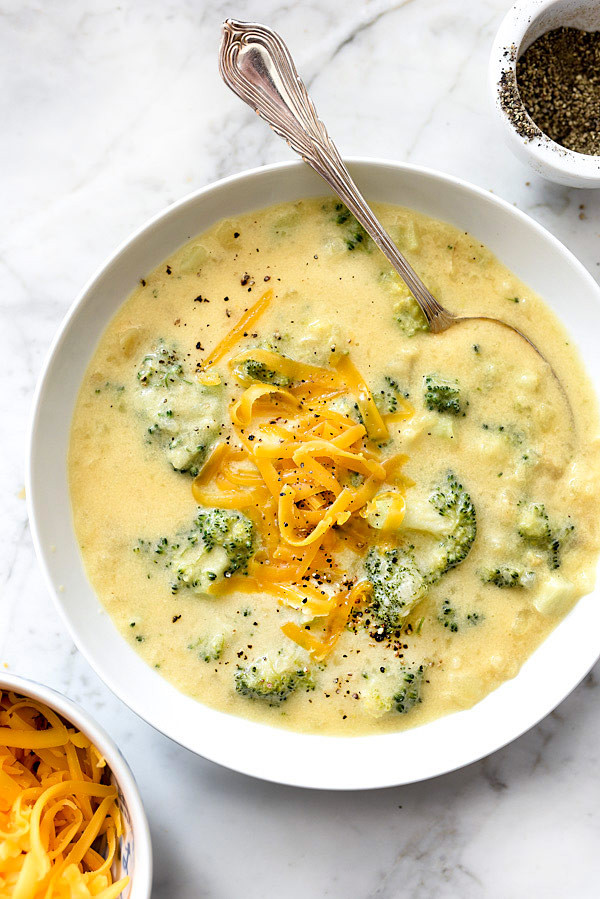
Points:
(175, 618)
(169, 270)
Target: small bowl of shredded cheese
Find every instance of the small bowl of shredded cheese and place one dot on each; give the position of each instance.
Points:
(72, 824)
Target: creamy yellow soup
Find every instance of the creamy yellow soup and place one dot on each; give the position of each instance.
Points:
(478, 531)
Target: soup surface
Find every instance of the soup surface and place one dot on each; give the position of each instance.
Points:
(306, 509)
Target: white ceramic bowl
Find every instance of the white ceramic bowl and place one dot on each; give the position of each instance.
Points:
(272, 753)
(134, 852)
(524, 23)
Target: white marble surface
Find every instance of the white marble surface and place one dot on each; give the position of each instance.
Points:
(109, 112)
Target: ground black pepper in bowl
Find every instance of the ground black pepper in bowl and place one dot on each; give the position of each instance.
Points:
(558, 80)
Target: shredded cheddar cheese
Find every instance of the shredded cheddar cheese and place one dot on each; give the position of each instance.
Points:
(56, 812)
(307, 475)
(230, 339)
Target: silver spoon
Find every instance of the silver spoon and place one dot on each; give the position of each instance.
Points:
(257, 65)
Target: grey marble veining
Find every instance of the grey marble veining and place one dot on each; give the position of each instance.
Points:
(109, 112)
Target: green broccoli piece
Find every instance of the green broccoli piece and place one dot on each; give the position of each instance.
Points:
(160, 368)
(391, 689)
(353, 233)
(209, 649)
(219, 544)
(534, 525)
(407, 312)
(448, 617)
(377, 694)
(409, 315)
(409, 694)
(507, 576)
(252, 370)
(272, 678)
(442, 395)
(453, 503)
(398, 585)
(389, 397)
(183, 414)
(535, 529)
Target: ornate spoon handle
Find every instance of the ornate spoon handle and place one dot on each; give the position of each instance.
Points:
(256, 64)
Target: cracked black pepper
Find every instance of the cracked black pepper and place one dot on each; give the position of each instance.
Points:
(558, 79)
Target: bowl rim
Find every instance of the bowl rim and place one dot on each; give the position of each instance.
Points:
(141, 880)
(549, 157)
(374, 780)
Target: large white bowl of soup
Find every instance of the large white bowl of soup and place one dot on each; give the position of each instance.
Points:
(290, 527)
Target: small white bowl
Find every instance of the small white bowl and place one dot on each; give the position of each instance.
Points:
(308, 760)
(134, 852)
(523, 24)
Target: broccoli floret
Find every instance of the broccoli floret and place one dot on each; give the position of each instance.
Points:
(507, 576)
(378, 692)
(353, 233)
(272, 678)
(535, 529)
(385, 691)
(442, 395)
(220, 543)
(448, 617)
(409, 694)
(398, 585)
(407, 311)
(453, 503)
(160, 368)
(209, 649)
(252, 370)
(534, 525)
(388, 398)
(183, 414)
(409, 315)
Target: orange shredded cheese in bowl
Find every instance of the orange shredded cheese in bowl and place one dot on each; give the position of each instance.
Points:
(307, 475)
(60, 820)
